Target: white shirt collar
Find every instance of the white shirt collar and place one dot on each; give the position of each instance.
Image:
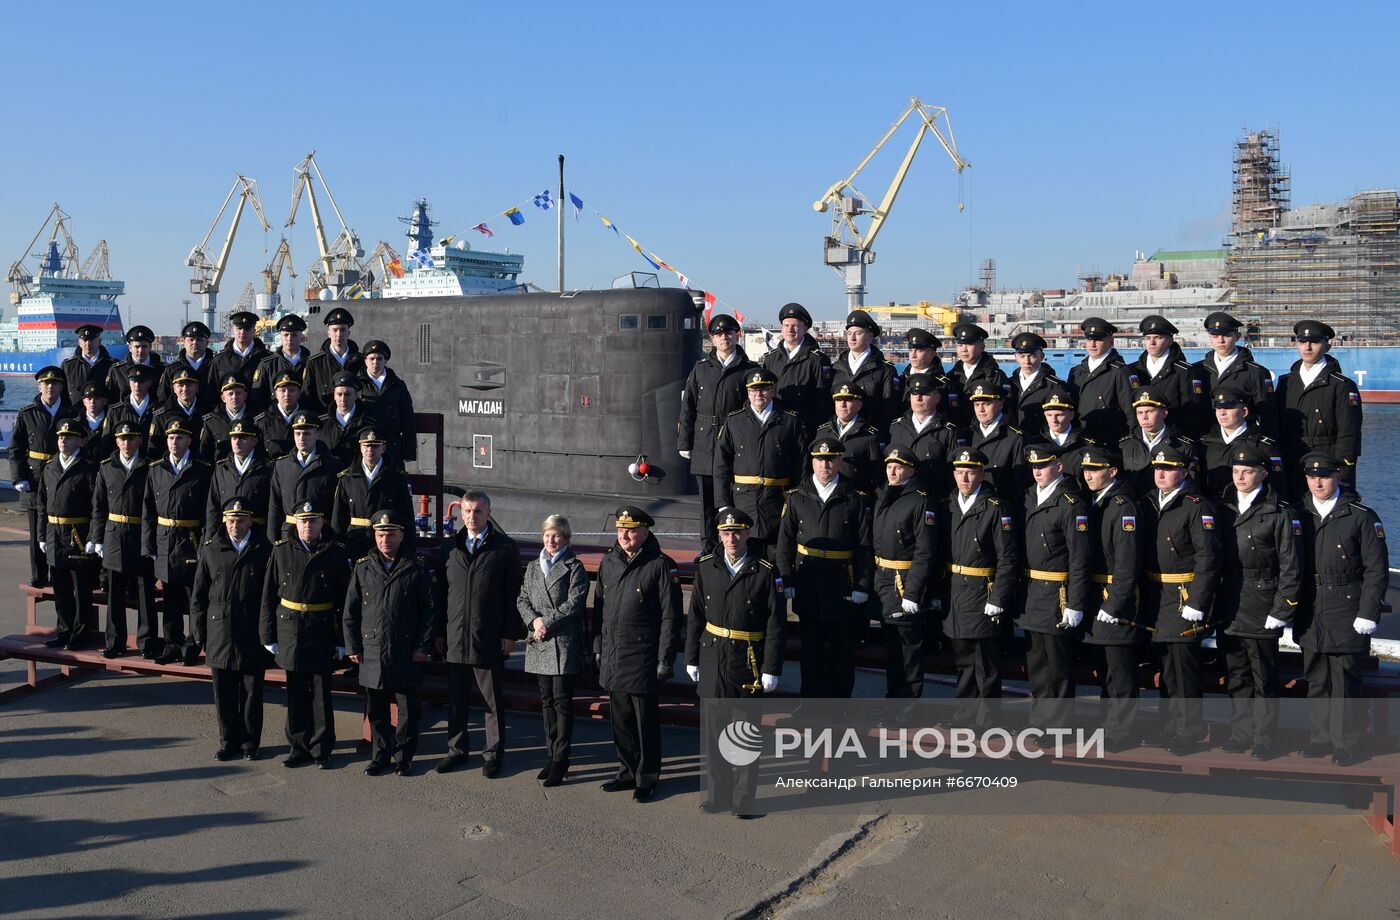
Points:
(1245, 499)
(1155, 365)
(241, 466)
(128, 465)
(968, 369)
(378, 381)
(234, 418)
(242, 352)
(1062, 437)
(1101, 494)
(188, 410)
(763, 416)
(1325, 507)
(94, 422)
(1164, 498)
(93, 360)
(1044, 492)
(988, 429)
(844, 428)
(1094, 363)
(345, 420)
(371, 473)
(965, 502)
(1028, 379)
(856, 360)
(293, 360)
(66, 462)
(339, 358)
(52, 410)
(1229, 437)
(139, 407)
(1221, 364)
(792, 352)
(725, 362)
(735, 567)
(1152, 440)
(1309, 374)
(286, 416)
(181, 463)
(302, 461)
(824, 491)
(196, 364)
(919, 426)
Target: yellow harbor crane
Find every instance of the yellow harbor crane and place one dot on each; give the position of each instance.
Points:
(943, 315)
(338, 264)
(208, 274)
(847, 248)
(269, 300)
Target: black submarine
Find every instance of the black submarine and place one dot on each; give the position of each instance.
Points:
(552, 401)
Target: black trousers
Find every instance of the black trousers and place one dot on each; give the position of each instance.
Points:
(1336, 709)
(119, 585)
(38, 562)
(460, 678)
(310, 715)
(557, 709)
(978, 663)
(72, 599)
(726, 786)
(175, 608)
(1117, 667)
(636, 726)
(904, 658)
(1181, 687)
(384, 740)
(708, 538)
(1252, 674)
(828, 657)
(1050, 666)
(238, 705)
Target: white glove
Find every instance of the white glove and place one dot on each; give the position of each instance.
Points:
(908, 606)
(789, 593)
(340, 651)
(685, 454)
(1274, 623)
(769, 682)
(693, 672)
(272, 648)
(858, 597)
(1363, 626)
(1071, 618)
(43, 546)
(97, 548)
(1104, 617)
(991, 610)
(89, 547)
(1191, 614)
(23, 486)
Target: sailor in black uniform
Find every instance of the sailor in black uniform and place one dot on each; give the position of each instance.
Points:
(245, 473)
(119, 499)
(289, 359)
(1061, 428)
(181, 406)
(974, 367)
(801, 370)
(1103, 389)
(338, 355)
(862, 363)
(195, 360)
(89, 363)
(1155, 429)
(1319, 408)
(758, 457)
(135, 404)
(345, 419)
(904, 531)
(139, 340)
(243, 352)
(214, 429)
(387, 399)
(97, 424)
(1232, 428)
(1229, 365)
(65, 500)
(308, 473)
(1162, 364)
(865, 444)
(32, 444)
(927, 434)
(176, 487)
(371, 483)
(274, 423)
(1000, 442)
(1033, 382)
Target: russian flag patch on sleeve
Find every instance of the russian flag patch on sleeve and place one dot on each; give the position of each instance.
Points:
(1354, 398)
(1129, 523)
(1208, 521)
(1380, 530)
(1081, 523)
(929, 516)
(1005, 523)
(1297, 527)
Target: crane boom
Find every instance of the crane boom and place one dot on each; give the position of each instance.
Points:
(208, 275)
(338, 262)
(847, 248)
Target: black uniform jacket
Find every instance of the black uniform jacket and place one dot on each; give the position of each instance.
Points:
(227, 602)
(208, 395)
(1323, 415)
(1007, 474)
(804, 382)
(275, 430)
(712, 391)
(824, 550)
(961, 384)
(1025, 408)
(176, 497)
(389, 615)
(482, 589)
(1113, 528)
(214, 443)
(343, 441)
(1264, 567)
(302, 597)
(983, 539)
(904, 529)
(1137, 458)
(1105, 398)
(293, 484)
(228, 362)
(168, 411)
(118, 502)
(748, 449)
(119, 375)
(321, 370)
(880, 380)
(1217, 457)
(79, 373)
(254, 486)
(260, 395)
(932, 449)
(1348, 564)
(637, 607)
(1244, 375)
(101, 440)
(864, 458)
(1173, 378)
(392, 410)
(33, 443)
(1056, 538)
(747, 602)
(1181, 539)
(357, 498)
(65, 506)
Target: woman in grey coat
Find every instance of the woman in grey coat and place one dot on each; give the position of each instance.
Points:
(552, 604)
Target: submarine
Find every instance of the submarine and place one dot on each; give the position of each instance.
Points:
(552, 401)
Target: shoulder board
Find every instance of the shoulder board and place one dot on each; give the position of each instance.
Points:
(1265, 439)
(282, 457)
(921, 492)
(110, 459)
(1120, 499)
(208, 542)
(279, 542)
(861, 493)
(343, 472)
(1070, 497)
(1181, 364)
(1125, 440)
(208, 415)
(706, 556)
(737, 412)
(765, 563)
(788, 412)
(789, 491)
(1013, 428)
(1185, 440)
(870, 429)
(1363, 507)
(993, 501)
(1340, 377)
(362, 559)
(1194, 498)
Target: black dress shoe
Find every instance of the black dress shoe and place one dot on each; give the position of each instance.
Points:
(1235, 746)
(1347, 757)
(56, 642)
(491, 768)
(1162, 738)
(376, 767)
(323, 763)
(748, 817)
(149, 653)
(617, 784)
(1181, 746)
(449, 763)
(168, 656)
(544, 771)
(110, 653)
(712, 808)
(297, 759)
(225, 754)
(74, 644)
(643, 793)
(1316, 749)
(1263, 752)
(557, 772)
(405, 768)
(250, 754)
(191, 657)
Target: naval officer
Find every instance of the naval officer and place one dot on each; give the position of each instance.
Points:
(1320, 408)
(32, 444)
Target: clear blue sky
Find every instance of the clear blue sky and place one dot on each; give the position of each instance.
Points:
(704, 130)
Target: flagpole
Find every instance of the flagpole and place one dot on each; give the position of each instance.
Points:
(559, 223)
